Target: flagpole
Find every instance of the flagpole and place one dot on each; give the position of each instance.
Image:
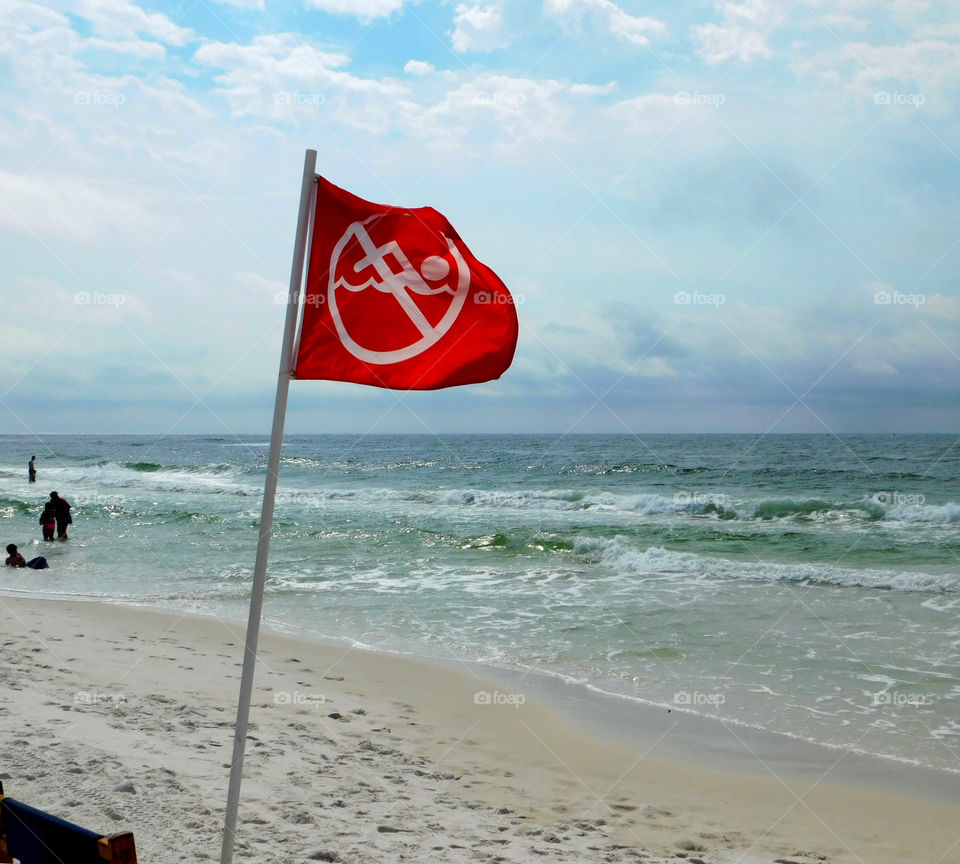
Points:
(266, 516)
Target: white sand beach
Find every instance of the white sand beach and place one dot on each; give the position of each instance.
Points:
(121, 718)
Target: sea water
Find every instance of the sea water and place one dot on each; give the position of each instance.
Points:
(809, 585)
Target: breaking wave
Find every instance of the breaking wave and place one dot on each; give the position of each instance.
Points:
(625, 558)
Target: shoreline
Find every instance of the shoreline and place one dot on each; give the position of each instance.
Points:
(609, 713)
(729, 745)
(623, 717)
(421, 768)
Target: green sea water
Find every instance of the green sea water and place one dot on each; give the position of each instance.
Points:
(809, 585)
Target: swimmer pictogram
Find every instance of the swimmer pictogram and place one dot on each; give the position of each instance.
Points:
(386, 267)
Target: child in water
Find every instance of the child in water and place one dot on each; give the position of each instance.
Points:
(48, 519)
(15, 559)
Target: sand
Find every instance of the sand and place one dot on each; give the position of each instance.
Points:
(120, 718)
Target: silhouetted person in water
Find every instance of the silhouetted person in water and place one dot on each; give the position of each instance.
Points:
(32, 470)
(61, 510)
(48, 520)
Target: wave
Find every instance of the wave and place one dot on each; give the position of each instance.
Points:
(92, 480)
(148, 467)
(369, 466)
(942, 513)
(619, 555)
(215, 468)
(178, 515)
(15, 506)
(624, 557)
(644, 504)
(778, 508)
(647, 468)
(716, 505)
(519, 542)
(243, 479)
(881, 506)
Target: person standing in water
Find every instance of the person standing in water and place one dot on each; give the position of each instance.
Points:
(61, 509)
(32, 469)
(48, 520)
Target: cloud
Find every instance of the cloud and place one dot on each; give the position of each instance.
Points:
(645, 119)
(477, 27)
(244, 4)
(758, 355)
(366, 10)
(593, 89)
(24, 16)
(862, 14)
(52, 206)
(282, 54)
(418, 67)
(612, 196)
(124, 20)
(259, 285)
(517, 109)
(927, 67)
(718, 44)
(629, 28)
(282, 76)
(741, 36)
(135, 47)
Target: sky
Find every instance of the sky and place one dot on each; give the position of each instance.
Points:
(714, 216)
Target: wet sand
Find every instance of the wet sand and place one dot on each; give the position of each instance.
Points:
(121, 718)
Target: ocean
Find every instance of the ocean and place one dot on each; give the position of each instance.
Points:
(804, 584)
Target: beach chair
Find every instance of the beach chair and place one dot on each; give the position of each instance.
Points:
(31, 836)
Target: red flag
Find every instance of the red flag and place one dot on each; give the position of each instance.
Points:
(395, 299)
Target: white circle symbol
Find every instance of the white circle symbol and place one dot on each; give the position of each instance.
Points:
(409, 280)
(435, 268)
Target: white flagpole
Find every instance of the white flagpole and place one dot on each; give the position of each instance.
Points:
(266, 517)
